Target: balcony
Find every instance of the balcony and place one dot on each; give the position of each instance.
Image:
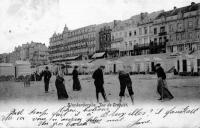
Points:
(180, 31)
(157, 46)
(141, 46)
(117, 40)
(162, 33)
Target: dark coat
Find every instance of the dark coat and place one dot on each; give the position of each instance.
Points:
(125, 82)
(163, 91)
(61, 91)
(47, 75)
(98, 77)
(124, 78)
(160, 73)
(75, 74)
(76, 82)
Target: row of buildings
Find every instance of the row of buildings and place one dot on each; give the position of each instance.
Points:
(34, 52)
(174, 31)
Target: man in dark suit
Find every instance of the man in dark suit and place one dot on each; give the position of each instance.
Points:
(162, 89)
(76, 82)
(47, 77)
(98, 82)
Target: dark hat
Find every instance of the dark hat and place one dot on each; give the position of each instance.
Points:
(158, 64)
(75, 66)
(47, 67)
(102, 66)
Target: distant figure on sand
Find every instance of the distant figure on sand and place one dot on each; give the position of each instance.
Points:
(60, 86)
(162, 84)
(98, 82)
(47, 76)
(125, 82)
(76, 82)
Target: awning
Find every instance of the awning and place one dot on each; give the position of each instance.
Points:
(71, 58)
(56, 60)
(98, 55)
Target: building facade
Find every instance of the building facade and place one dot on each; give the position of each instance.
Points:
(80, 42)
(34, 52)
(133, 36)
(4, 58)
(117, 38)
(181, 28)
(130, 36)
(174, 31)
(38, 54)
(73, 44)
(105, 39)
(144, 34)
(15, 55)
(56, 43)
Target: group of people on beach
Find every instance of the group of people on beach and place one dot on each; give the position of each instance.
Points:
(98, 76)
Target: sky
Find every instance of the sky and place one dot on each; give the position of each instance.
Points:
(23, 21)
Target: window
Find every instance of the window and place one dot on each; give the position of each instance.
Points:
(162, 29)
(145, 30)
(155, 31)
(190, 24)
(150, 29)
(130, 33)
(165, 39)
(160, 40)
(198, 35)
(180, 26)
(177, 37)
(140, 31)
(126, 44)
(155, 40)
(135, 33)
(190, 35)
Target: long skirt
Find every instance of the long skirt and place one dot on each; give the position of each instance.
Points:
(76, 84)
(61, 91)
(163, 90)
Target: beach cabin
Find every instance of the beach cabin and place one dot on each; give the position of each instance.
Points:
(22, 68)
(7, 69)
(187, 63)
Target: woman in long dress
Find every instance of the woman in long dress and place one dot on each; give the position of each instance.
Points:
(162, 89)
(60, 86)
(76, 82)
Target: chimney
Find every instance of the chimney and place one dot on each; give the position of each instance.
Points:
(192, 3)
(174, 7)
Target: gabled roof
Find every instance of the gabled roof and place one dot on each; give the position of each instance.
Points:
(175, 11)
